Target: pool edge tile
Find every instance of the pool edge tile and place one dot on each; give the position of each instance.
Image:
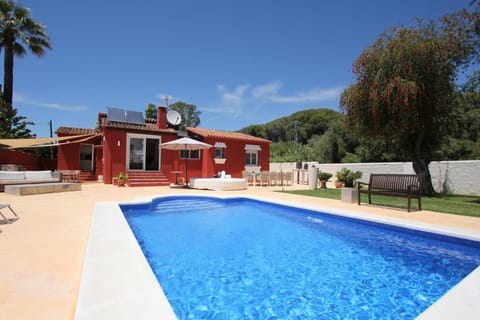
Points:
(461, 302)
(100, 296)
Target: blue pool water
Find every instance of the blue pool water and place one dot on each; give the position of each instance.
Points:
(247, 259)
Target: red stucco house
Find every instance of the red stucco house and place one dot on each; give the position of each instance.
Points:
(134, 146)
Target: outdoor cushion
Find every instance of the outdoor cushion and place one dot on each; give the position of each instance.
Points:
(12, 175)
(38, 175)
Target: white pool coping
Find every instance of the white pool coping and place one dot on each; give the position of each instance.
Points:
(118, 283)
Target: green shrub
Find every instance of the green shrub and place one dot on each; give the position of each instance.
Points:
(348, 177)
(324, 176)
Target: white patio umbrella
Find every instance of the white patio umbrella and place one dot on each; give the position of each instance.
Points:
(185, 143)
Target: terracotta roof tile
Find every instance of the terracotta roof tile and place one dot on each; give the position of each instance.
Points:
(219, 134)
(69, 131)
(150, 127)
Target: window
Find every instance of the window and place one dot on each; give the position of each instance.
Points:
(251, 157)
(190, 154)
(220, 153)
(220, 150)
(251, 154)
(143, 152)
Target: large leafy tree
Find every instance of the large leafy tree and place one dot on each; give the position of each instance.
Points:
(464, 134)
(17, 30)
(405, 86)
(151, 111)
(189, 113)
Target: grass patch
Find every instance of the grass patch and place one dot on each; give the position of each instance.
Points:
(446, 203)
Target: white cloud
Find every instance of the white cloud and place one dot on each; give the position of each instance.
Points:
(235, 97)
(234, 101)
(18, 98)
(313, 95)
(270, 92)
(231, 101)
(267, 90)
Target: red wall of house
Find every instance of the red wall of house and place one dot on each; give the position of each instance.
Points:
(114, 153)
(110, 158)
(235, 158)
(68, 156)
(98, 149)
(235, 155)
(205, 167)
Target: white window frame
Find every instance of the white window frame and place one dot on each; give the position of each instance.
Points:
(250, 150)
(189, 157)
(248, 158)
(222, 147)
(142, 153)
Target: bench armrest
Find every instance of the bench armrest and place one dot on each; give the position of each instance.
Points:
(57, 175)
(360, 183)
(409, 188)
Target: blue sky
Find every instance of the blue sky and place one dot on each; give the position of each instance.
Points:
(240, 62)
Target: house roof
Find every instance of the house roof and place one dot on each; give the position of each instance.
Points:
(228, 135)
(69, 131)
(150, 125)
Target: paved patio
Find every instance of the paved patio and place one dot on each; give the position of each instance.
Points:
(41, 255)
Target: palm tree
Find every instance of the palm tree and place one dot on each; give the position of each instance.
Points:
(17, 27)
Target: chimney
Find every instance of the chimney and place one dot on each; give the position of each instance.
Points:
(162, 118)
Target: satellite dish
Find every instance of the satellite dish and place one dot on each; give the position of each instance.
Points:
(173, 117)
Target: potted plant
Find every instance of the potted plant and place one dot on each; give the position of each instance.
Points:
(323, 178)
(122, 178)
(348, 177)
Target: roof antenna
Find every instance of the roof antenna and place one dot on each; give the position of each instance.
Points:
(165, 100)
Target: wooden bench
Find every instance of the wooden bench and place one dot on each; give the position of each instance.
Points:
(394, 185)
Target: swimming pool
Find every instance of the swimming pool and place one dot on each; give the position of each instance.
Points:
(241, 258)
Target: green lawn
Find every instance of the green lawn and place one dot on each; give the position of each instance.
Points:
(448, 203)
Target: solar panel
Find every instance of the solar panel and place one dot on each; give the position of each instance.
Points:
(114, 114)
(135, 117)
(125, 116)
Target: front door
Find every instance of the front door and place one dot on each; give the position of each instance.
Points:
(152, 154)
(86, 157)
(143, 152)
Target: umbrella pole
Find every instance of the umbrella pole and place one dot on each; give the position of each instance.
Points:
(186, 173)
(186, 169)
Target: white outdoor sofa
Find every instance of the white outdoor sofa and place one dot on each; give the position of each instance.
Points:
(223, 183)
(27, 177)
(22, 183)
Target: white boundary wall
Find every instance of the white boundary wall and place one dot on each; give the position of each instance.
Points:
(459, 177)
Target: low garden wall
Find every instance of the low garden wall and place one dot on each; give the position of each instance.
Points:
(459, 177)
(15, 160)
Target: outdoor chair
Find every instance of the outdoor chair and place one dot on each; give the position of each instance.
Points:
(288, 178)
(4, 206)
(264, 178)
(248, 176)
(273, 178)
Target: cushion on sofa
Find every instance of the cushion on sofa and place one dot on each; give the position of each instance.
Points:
(12, 175)
(38, 175)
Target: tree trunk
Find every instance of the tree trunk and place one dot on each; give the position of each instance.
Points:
(8, 70)
(420, 166)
